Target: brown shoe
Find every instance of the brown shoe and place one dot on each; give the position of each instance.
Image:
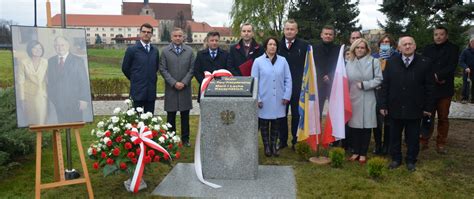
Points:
(441, 150)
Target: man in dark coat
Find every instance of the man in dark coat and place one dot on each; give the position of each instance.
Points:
(325, 58)
(140, 65)
(444, 56)
(210, 59)
(68, 84)
(247, 49)
(294, 50)
(407, 90)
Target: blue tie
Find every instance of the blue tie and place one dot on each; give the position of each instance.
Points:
(178, 50)
(213, 54)
(147, 48)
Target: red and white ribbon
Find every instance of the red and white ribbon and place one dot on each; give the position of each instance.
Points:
(209, 76)
(143, 137)
(197, 159)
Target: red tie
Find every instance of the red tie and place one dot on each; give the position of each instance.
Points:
(61, 62)
(289, 44)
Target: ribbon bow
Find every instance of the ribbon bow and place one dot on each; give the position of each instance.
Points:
(144, 138)
(209, 76)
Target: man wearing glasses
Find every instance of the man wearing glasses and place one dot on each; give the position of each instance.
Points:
(140, 66)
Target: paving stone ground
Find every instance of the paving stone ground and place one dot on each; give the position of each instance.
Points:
(457, 110)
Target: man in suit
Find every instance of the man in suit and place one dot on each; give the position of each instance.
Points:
(407, 90)
(444, 55)
(176, 67)
(247, 49)
(325, 56)
(210, 59)
(355, 35)
(294, 50)
(68, 84)
(140, 65)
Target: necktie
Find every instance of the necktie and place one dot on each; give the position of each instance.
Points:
(407, 62)
(61, 62)
(213, 54)
(178, 50)
(147, 48)
(289, 44)
(247, 49)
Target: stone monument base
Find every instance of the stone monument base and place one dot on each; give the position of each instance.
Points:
(271, 182)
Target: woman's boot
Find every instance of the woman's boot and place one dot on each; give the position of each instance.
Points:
(264, 127)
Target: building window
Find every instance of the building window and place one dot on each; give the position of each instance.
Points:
(103, 35)
(129, 29)
(195, 36)
(120, 29)
(111, 35)
(103, 29)
(111, 29)
(129, 35)
(97, 29)
(88, 28)
(88, 34)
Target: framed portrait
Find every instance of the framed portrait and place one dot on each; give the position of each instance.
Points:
(51, 76)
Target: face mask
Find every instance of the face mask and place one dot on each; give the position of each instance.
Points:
(384, 47)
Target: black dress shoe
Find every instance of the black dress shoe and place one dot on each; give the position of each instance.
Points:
(394, 165)
(282, 146)
(187, 144)
(411, 167)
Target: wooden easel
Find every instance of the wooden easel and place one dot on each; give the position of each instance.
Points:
(59, 176)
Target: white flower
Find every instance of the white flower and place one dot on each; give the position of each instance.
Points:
(140, 124)
(93, 132)
(106, 139)
(168, 125)
(130, 112)
(139, 109)
(160, 119)
(115, 119)
(111, 126)
(99, 134)
(99, 148)
(176, 139)
(128, 101)
(164, 127)
(156, 127)
(149, 114)
(89, 151)
(117, 110)
(154, 119)
(100, 124)
(128, 126)
(161, 139)
(144, 116)
(116, 129)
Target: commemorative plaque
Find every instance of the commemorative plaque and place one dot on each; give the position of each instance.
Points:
(230, 87)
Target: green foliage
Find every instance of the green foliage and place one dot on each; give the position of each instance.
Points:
(313, 15)
(267, 17)
(457, 88)
(419, 18)
(376, 167)
(165, 37)
(303, 150)
(337, 155)
(14, 142)
(110, 87)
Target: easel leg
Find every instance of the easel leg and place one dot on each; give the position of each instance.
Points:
(39, 138)
(83, 162)
(58, 157)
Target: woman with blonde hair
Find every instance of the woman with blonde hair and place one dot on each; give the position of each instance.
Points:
(363, 72)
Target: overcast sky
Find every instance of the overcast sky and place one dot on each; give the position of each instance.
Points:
(214, 12)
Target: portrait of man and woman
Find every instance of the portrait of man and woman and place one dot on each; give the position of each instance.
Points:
(51, 76)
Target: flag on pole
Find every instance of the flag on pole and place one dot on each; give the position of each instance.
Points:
(340, 108)
(309, 126)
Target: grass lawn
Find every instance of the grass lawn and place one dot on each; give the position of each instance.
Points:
(437, 176)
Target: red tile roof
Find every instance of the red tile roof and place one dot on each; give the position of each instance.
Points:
(163, 11)
(224, 31)
(105, 20)
(199, 26)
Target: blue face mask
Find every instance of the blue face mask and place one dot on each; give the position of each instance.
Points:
(384, 47)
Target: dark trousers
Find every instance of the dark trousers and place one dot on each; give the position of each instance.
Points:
(360, 140)
(184, 123)
(148, 106)
(295, 119)
(442, 109)
(412, 135)
(466, 87)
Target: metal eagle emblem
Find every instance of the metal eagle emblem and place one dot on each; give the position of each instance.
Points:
(227, 117)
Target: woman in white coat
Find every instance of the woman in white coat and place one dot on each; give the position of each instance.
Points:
(274, 92)
(364, 76)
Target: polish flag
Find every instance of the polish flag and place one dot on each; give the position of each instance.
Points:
(340, 109)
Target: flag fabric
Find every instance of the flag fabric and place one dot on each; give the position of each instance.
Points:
(340, 108)
(309, 126)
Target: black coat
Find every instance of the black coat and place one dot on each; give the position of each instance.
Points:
(204, 62)
(141, 67)
(237, 55)
(407, 92)
(325, 60)
(444, 59)
(295, 56)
